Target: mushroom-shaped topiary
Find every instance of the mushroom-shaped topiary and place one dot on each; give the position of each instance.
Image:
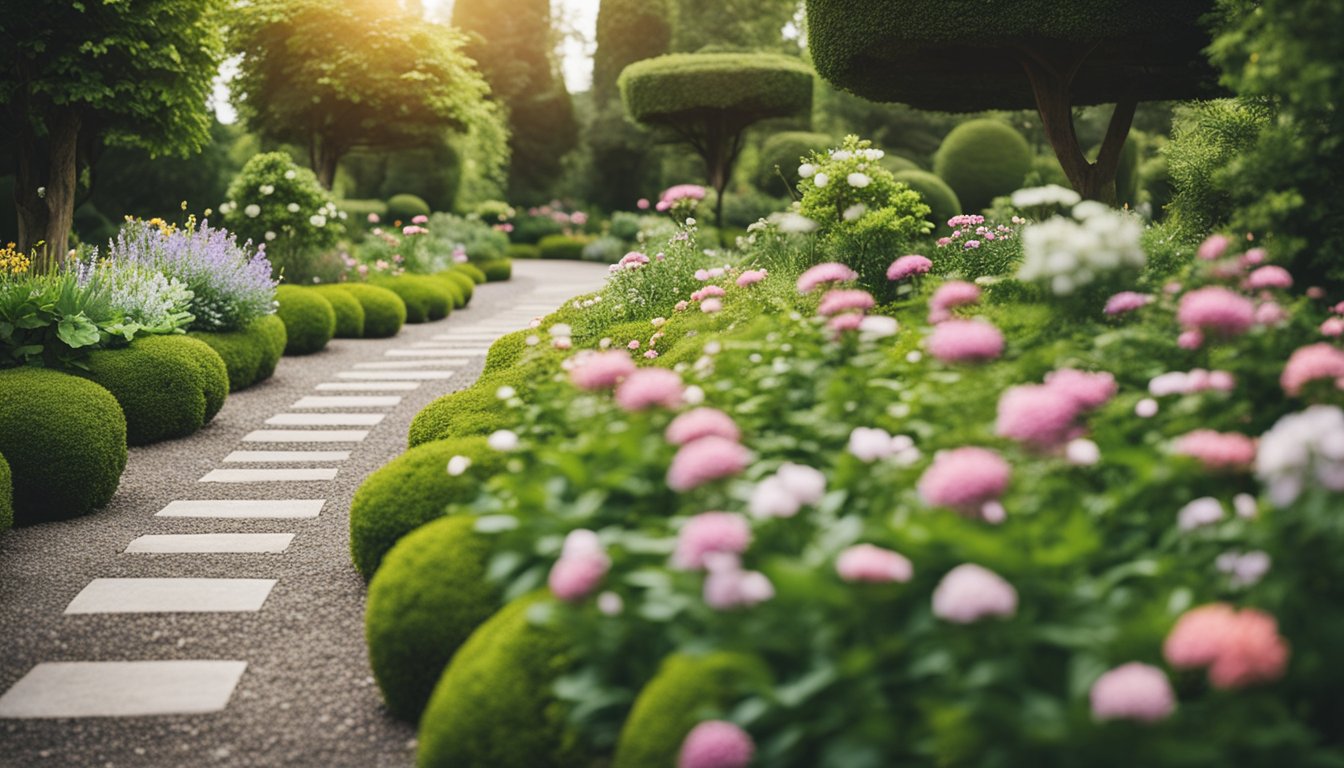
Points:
(426, 599)
(249, 355)
(349, 312)
(384, 311)
(781, 154)
(411, 490)
(942, 201)
(425, 298)
(981, 160)
(309, 319)
(160, 383)
(65, 440)
(6, 496)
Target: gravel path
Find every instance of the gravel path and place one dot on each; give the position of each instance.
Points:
(306, 697)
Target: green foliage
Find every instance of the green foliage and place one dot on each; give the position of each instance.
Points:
(472, 271)
(271, 331)
(739, 88)
(1207, 140)
(733, 24)
(468, 234)
(158, 385)
(211, 371)
(604, 250)
(349, 312)
(404, 207)
(65, 441)
(562, 247)
(473, 411)
(627, 31)
(942, 201)
(982, 159)
(249, 355)
(432, 173)
(309, 319)
(497, 271)
(781, 155)
(6, 496)
(275, 202)
(462, 281)
(357, 211)
(52, 320)
(425, 298)
(132, 181)
(428, 596)
(411, 490)
(384, 311)
(494, 705)
(523, 251)
(506, 352)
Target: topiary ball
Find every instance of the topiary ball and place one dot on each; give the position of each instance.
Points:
(411, 490)
(156, 383)
(349, 312)
(937, 195)
(405, 207)
(6, 496)
(472, 271)
(424, 302)
(677, 698)
(981, 160)
(249, 355)
(781, 155)
(897, 164)
(463, 282)
(459, 299)
(426, 599)
(272, 337)
(497, 270)
(495, 705)
(465, 413)
(384, 311)
(65, 440)
(210, 368)
(309, 320)
(564, 247)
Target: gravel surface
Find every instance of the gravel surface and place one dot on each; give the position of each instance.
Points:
(307, 697)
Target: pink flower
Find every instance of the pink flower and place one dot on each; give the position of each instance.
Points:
(1271, 276)
(701, 422)
(729, 586)
(865, 562)
(1214, 247)
(707, 292)
(683, 192)
(701, 461)
(1311, 363)
(969, 593)
(651, 355)
(965, 478)
(843, 300)
(1203, 511)
(374, 219)
(1333, 327)
(633, 260)
(1270, 314)
(750, 277)
(648, 387)
(1239, 647)
(711, 305)
(771, 498)
(806, 484)
(1254, 256)
(829, 272)
(965, 341)
(949, 296)
(710, 532)
(909, 266)
(1190, 340)
(1133, 691)
(1037, 414)
(1126, 301)
(1217, 310)
(681, 306)
(421, 219)
(850, 322)
(642, 204)
(574, 577)
(633, 345)
(601, 370)
(1217, 450)
(1090, 390)
(716, 744)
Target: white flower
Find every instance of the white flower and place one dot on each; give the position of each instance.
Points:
(807, 170)
(266, 189)
(560, 329)
(317, 220)
(270, 236)
(458, 464)
(1301, 447)
(874, 154)
(807, 484)
(252, 211)
(505, 392)
(841, 154)
(1067, 254)
(1082, 452)
(858, 180)
(503, 440)
(532, 340)
(610, 603)
(878, 327)
(821, 180)
(291, 174)
(855, 212)
(870, 444)
(693, 395)
(771, 498)
(1050, 194)
(292, 207)
(1146, 408)
(1245, 569)
(793, 223)
(1203, 511)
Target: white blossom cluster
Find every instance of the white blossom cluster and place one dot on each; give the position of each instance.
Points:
(1070, 253)
(1299, 448)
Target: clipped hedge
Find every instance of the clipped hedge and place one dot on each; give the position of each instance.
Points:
(981, 160)
(384, 311)
(349, 312)
(457, 299)
(786, 151)
(665, 88)
(424, 297)
(214, 375)
(411, 490)
(523, 251)
(942, 201)
(405, 207)
(496, 270)
(426, 599)
(309, 319)
(462, 280)
(6, 496)
(161, 383)
(249, 355)
(505, 352)
(272, 329)
(64, 438)
(475, 410)
(494, 705)
(472, 271)
(562, 247)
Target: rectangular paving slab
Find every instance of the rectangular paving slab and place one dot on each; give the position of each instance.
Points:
(367, 386)
(284, 457)
(393, 365)
(210, 543)
(347, 401)
(171, 596)
(420, 375)
(122, 688)
(273, 509)
(443, 351)
(285, 475)
(325, 419)
(306, 436)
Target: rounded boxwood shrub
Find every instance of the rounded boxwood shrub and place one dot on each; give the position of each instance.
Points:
(271, 329)
(405, 207)
(6, 496)
(472, 271)
(458, 299)
(497, 270)
(213, 374)
(562, 247)
(349, 312)
(309, 320)
(786, 151)
(897, 163)
(426, 599)
(506, 351)
(677, 698)
(981, 160)
(158, 384)
(249, 355)
(425, 299)
(940, 198)
(384, 311)
(463, 282)
(522, 251)
(411, 490)
(65, 440)
(475, 410)
(494, 705)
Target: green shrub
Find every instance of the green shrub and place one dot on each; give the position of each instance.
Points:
(411, 490)
(249, 355)
(309, 319)
(523, 251)
(213, 374)
(982, 159)
(159, 385)
(472, 271)
(403, 208)
(426, 599)
(6, 496)
(685, 689)
(425, 298)
(472, 411)
(898, 164)
(494, 705)
(271, 330)
(384, 311)
(349, 312)
(940, 198)
(562, 247)
(296, 220)
(505, 352)
(604, 250)
(497, 271)
(457, 299)
(359, 210)
(465, 285)
(64, 438)
(786, 151)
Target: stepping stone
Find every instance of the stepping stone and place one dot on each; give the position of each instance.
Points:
(465, 338)
(277, 509)
(306, 436)
(210, 543)
(326, 419)
(290, 475)
(171, 596)
(122, 688)
(441, 352)
(401, 364)
(278, 457)
(368, 386)
(378, 375)
(347, 401)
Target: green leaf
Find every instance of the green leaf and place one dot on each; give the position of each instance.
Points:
(77, 331)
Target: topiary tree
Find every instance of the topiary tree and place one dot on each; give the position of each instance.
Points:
(708, 100)
(1047, 54)
(781, 154)
(980, 160)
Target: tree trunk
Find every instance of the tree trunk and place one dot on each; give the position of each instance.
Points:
(324, 157)
(30, 177)
(62, 180)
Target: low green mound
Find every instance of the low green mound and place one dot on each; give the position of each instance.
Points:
(522, 251)
(494, 705)
(506, 351)
(474, 411)
(249, 355)
(428, 596)
(384, 311)
(497, 270)
(405, 207)
(459, 299)
(411, 490)
(472, 271)
(6, 496)
(214, 375)
(562, 247)
(686, 690)
(464, 283)
(272, 329)
(309, 319)
(160, 383)
(64, 438)
(981, 160)
(940, 198)
(349, 312)
(426, 298)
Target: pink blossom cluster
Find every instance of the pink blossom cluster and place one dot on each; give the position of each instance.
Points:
(1133, 691)
(1314, 362)
(704, 460)
(729, 585)
(1126, 301)
(1214, 310)
(958, 341)
(1217, 450)
(701, 422)
(873, 564)
(716, 744)
(582, 565)
(412, 230)
(970, 231)
(788, 490)
(1047, 415)
(821, 274)
(909, 266)
(968, 479)
(840, 300)
(713, 273)
(970, 592)
(649, 387)
(1240, 648)
(949, 296)
(678, 193)
(1191, 382)
(632, 260)
(708, 291)
(601, 370)
(751, 277)
(1269, 277)
(709, 533)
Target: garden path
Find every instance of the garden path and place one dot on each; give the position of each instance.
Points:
(210, 616)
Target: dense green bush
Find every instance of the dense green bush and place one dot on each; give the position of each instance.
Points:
(495, 705)
(213, 373)
(272, 330)
(497, 271)
(358, 211)
(6, 496)
(786, 151)
(982, 159)
(249, 355)
(159, 384)
(349, 312)
(403, 208)
(562, 247)
(898, 164)
(523, 251)
(425, 299)
(411, 490)
(505, 352)
(465, 285)
(770, 84)
(940, 198)
(426, 599)
(278, 203)
(64, 438)
(604, 250)
(384, 311)
(309, 319)
(471, 411)
(472, 271)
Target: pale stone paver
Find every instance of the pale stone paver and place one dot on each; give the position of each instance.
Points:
(283, 457)
(439, 352)
(367, 386)
(286, 475)
(275, 509)
(171, 596)
(306, 436)
(122, 688)
(393, 365)
(347, 401)
(326, 419)
(377, 375)
(209, 543)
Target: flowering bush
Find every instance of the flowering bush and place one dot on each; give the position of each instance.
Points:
(1095, 245)
(976, 248)
(275, 202)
